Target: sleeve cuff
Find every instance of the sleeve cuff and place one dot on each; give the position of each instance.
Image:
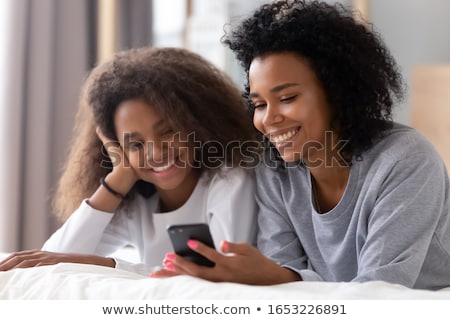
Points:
(139, 268)
(305, 274)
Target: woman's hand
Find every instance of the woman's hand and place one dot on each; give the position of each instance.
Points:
(121, 179)
(242, 263)
(35, 258)
(122, 171)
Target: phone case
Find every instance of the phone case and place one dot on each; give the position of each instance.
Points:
(180, 234)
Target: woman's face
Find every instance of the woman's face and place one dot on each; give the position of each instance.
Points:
(157, 153)
(291, 109)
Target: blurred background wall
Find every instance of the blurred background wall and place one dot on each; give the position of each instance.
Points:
(47, 48)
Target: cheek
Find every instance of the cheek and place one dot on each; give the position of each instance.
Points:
(136, 158)
(258, 121)
(178, 148)
(186, 157)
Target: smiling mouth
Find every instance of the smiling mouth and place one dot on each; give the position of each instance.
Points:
(280, 138)
(164, 168)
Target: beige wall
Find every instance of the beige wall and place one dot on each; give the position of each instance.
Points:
(430, 105)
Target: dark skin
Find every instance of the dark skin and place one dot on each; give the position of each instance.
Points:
(244, 264)
(101, 199)
(174, 184)
(37, 258)
(290, 110)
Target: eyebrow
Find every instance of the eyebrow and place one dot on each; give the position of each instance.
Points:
(275, 89)
(130, 135)
(157, 126)
(160, 124)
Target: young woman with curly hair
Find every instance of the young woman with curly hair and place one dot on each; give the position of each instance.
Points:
(344, 192)
(169, 138)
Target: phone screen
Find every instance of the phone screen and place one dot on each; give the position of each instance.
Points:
(180, 234)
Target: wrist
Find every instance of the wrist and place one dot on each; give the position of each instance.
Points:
(121, 182)
(291, 275)
(96, 260)
(115, 193)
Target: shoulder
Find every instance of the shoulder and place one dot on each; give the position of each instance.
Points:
(226, 176)
(229, 185)
(401, 142)
(402, 153)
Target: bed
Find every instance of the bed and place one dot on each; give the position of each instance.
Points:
(78, 281)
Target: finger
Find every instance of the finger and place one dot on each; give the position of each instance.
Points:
(16, 258)
(30, 264)
(181, 266)
(163, 273)
(101, 136)
(204, 250)
(7, 259)
(7, 264)
(107, 142)
(175, 263)
(113, 149)
(17, 262)
(21, 253)
(185, 267)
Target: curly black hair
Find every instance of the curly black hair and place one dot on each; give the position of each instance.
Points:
(360, 78)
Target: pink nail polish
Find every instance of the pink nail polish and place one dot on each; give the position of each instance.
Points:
(170, 267)
(170, 256)
(192, 244)
(225, 246)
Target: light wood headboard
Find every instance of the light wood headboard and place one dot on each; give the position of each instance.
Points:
(430, 106)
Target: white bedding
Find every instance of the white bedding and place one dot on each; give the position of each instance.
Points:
(78, 281)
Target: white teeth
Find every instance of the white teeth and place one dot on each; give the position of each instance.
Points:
(163, 168)
(283, 137)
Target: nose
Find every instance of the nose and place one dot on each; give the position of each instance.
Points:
(157, 152)
(271, 115)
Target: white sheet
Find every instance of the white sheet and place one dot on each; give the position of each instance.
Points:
(78, 281)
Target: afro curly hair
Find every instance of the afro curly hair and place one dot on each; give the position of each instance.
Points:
(360, 78)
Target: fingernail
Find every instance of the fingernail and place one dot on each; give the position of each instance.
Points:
(192, 244)
(170, 256)
(225, 246)
(170, 267)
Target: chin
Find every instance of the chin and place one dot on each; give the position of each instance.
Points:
(290, 157)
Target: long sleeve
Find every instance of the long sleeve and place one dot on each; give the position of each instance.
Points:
(231, 207)
(84, 233)
(141, 268)
(277, 237)
(403, 223)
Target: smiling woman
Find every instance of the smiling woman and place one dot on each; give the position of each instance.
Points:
(279, 91)
(344, 193)
(150, 117)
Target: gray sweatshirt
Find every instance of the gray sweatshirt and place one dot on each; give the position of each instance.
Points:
(391, 224)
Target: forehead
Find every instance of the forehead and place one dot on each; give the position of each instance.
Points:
(133, 115)
(284, 66)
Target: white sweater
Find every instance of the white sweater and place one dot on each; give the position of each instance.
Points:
(225, 201)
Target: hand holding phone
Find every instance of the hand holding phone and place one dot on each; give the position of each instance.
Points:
(180, 234)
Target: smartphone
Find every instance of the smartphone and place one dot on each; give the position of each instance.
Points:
(180, 234)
